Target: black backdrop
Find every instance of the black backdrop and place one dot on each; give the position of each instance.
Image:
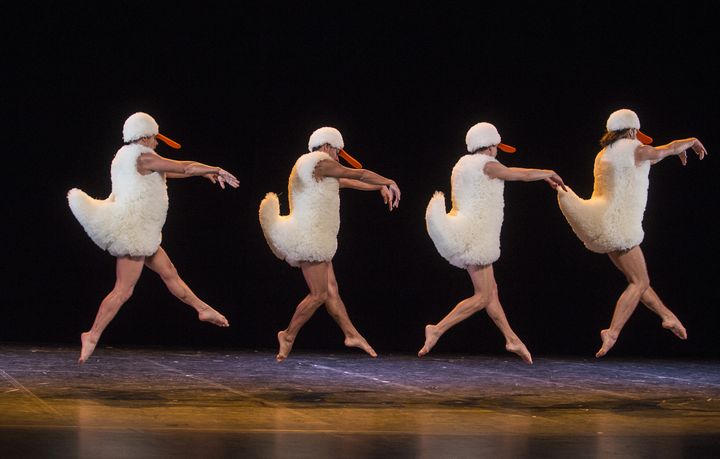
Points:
(243, 87)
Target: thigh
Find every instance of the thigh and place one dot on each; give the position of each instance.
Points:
(316, 276)
(631, 263)
(332, 280)
(128, 270)
(483, 279)
(160, 262)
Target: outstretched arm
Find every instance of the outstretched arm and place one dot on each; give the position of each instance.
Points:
(152, 162)
(515, 174)
(358, 185)
(360, 179)
(362, 186)
(676, 147)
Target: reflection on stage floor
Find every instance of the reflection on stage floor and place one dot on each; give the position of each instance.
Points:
(152, 402)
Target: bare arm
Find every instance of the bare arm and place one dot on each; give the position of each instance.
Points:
(676, 147)
(152, 162)
(358, 185)
(518, 174)
(359, 179)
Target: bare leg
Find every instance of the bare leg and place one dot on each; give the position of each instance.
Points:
(316, 277)
(632, 264)
(336, 309)
(483, 281)
(669, 321)
(161, 264)
(127, 273)
(512, 342)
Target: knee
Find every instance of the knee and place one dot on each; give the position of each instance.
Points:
(641, 284)
(168, 273)
(123, 293)
(319, 297)
(480, 300)
(333, 292)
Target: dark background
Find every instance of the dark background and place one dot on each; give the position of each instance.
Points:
(242, 85)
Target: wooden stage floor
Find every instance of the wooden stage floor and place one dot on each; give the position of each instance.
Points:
(169, 402)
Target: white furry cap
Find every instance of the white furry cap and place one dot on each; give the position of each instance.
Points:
(481, 135)
(623, 119)
(139, 125)
(326, 135)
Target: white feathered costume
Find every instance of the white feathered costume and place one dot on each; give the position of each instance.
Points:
(130, 220)
(611, 219)
(470, 233)
(309, 231)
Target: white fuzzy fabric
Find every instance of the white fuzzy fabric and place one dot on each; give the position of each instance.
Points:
(130, 220)
(611, 219)
(326, 135)
(481, 135)
(309, 231)
(139, 125)
(622, 119)
(470, 233)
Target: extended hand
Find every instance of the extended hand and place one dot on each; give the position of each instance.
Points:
(224, 177)
(387, 197)
(555, 181)
(394, 195)
(699, 149)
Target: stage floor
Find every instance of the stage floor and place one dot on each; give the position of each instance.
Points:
(236, 403)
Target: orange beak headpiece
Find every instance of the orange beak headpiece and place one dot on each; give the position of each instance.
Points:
(627, 119)
(506, 148)
(352, 161)
(484, 135)
(331, 136)
(644, 138)
(168, 141)
(140, 125)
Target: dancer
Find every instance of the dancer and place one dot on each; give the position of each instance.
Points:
(611, 220)
(129, 222)
(469, 235)
(307, 237)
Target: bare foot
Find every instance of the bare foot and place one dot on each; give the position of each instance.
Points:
(285, 346)
(431, 336)
(608, 341)
(208, 314)
(520, 349)
(88, 346)
(360, 342)
(673, 324)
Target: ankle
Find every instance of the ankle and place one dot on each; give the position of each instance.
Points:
(610, 333)
(286, 336)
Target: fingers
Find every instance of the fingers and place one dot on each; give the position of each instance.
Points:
(555, 181)
(683, 158)
(228, 178)
(387, 197)
(559, 182)
(396, 193)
